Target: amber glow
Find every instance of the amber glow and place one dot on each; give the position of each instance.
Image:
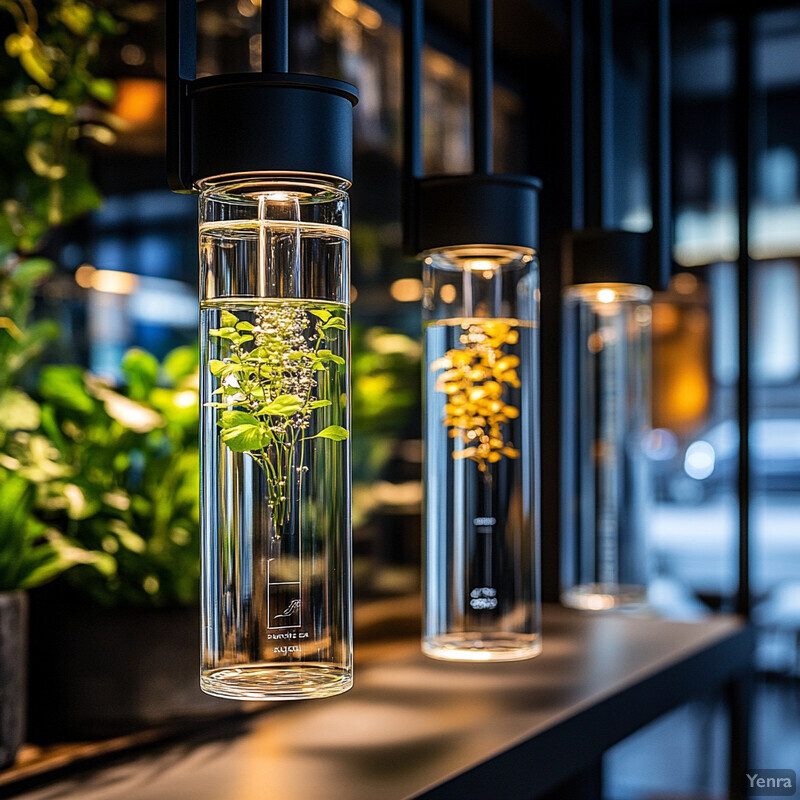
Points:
(681, 366)
(406, 290)
(140, 101)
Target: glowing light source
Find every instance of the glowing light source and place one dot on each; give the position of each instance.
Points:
(113, 281)
(406, 290)
(699, 460)
(606, 295)
(448, 293)
(482, 265)
(139, 101)
(83, 276)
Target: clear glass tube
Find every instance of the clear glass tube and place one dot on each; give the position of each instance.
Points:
(481, 454)
(606, 400)
(274, 338)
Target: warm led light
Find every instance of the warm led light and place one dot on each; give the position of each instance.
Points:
(139, 101)
(684, 283)
(406, 290)
(482, 265)
(276, 197)
(83, 276)
(353, 293)
(347, 8)
(448, 293)
(606, 295)
(369, 18)
(113, 281)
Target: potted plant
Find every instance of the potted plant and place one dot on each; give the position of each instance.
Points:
(123, 479)
(46, 90)
(31, 552)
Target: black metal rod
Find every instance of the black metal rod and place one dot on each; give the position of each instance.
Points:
(413, 166)
(274, 35)
(661, 146)
(181, 55)
(744, 161)
(577, 99)
(606, 70)
(482, 79)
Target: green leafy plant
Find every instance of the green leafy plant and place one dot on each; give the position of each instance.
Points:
(49, 99)
(118, 470)
(31, 551)
(270, 391)
(386, 396)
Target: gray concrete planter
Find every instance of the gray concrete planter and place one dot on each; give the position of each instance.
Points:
(13, 657)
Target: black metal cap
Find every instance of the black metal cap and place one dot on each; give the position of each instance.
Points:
(257, 122)
(458, 210)
(598, 255)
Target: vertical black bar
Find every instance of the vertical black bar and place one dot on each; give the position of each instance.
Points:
(274, 35)
(661, 146)
(606, 33)
(482, 78)
(181, 56)
(577, 98)
(413, 166)
(599, 113)
(743, 106)
(738, 699)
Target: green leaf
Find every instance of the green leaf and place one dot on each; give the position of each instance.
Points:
(30, 271)
(230, 419)
(223, 333)
(244, 325)
(64, 387)
(180, 363)
(228, 320)
(319, 404)
(215, 366)
(321, 313)
(20, 413)
(335, 322)
(327, 355)
(285, 405)
(335, 432)
(140, 369)
(103, 90)
(242, 438)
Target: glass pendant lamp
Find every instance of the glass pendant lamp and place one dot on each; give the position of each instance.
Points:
(274, 340)
(477, 236)
(606, 400)
(481, 390)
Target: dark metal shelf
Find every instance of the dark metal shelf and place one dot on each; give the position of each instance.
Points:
(416, 728)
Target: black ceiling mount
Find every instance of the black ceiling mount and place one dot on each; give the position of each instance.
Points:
(270, 121)
(456, 210)
(597, 255)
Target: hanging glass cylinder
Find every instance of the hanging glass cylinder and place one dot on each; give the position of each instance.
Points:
(275, 437)
(481, 397)
(270, 154)
(606, 401)
(481, 453)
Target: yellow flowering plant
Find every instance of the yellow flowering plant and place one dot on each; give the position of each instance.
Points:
(476, 379)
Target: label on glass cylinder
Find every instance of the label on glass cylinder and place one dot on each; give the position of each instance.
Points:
(484, 597)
